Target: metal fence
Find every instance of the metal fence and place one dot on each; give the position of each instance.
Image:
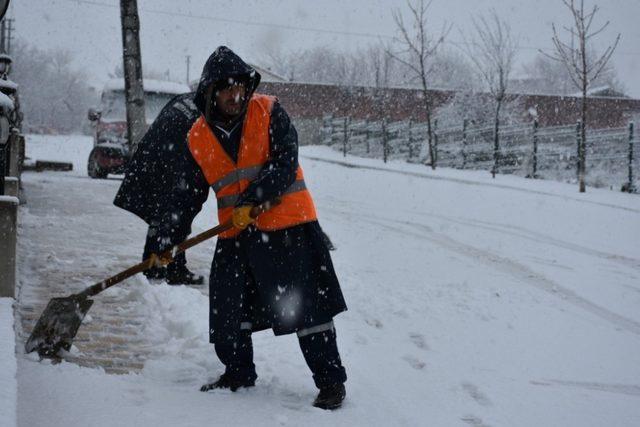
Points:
(525, 149)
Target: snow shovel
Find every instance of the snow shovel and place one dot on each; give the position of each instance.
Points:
(60, 320)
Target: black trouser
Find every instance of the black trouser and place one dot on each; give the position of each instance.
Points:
(320, 350)
(152, 245)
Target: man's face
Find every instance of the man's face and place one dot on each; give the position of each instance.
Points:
(230, 100)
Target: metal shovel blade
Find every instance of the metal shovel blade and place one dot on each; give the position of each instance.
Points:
(58, 325)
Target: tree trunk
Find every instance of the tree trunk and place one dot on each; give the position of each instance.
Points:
(496, 138)
(582, 155)
(583, 124)
(427, 105)
(432, 154)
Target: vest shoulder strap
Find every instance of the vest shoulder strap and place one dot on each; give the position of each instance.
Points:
(265, 102)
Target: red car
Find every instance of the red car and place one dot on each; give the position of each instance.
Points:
(111, 149)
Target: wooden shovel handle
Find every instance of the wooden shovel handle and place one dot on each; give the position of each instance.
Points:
(178, 249)
(170, 253)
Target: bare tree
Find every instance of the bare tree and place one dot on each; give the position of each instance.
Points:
(379, 64)
(478, 109)
(452, 71)
(582, 67)
(419, 48)
(378, 73)
(54, 94)
(493, 54)
(547, 76)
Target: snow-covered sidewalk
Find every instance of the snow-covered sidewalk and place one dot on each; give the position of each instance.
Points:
(472, 302)
(8, 367)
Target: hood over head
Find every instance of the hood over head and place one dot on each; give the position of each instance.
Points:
(221, 65)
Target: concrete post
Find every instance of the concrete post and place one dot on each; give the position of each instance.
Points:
(534, 173)
(410, 137)
(14, 155)
(465, 124)
(8, 233)
(631, 188)
(11, 186)
(345, 137)
(385, 141)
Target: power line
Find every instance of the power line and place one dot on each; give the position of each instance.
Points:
(238, 21)
(304, 29)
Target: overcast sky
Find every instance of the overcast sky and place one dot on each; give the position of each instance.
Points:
(172, 29)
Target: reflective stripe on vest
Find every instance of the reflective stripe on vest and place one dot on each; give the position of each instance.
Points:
(230, 179)
(234, 176)
(230, 201)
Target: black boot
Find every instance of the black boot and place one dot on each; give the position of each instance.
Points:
(182, 276)
(330, 397)
(156, 273)
(225, 381)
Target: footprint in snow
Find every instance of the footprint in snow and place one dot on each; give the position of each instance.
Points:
(296, 402)
(361, 339)
(374, 322)
(419, 341)
(414, 362)
(474, 421)
(477, 395)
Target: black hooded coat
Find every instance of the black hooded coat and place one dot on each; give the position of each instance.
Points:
(282, 279)
(162, 171)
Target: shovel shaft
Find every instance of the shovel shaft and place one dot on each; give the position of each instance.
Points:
(148, 263)
(58, 324)
(170, 253)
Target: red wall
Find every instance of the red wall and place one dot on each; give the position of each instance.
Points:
(309, 101)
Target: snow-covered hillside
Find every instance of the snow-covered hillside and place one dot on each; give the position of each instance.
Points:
(472, 301)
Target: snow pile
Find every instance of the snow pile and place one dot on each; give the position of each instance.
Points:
(74, 149)
(8, 383)
(176, 325)
(8, 84)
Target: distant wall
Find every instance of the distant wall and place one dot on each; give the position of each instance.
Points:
(601, 112)
(312, 101)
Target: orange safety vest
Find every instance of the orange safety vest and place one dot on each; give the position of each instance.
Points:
(229, 179)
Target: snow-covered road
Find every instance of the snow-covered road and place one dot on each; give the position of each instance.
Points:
(472, 301)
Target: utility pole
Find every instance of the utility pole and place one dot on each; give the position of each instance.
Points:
(9, 35)
(188, 64)
(3, 31)
(132, 62)
(6, 28)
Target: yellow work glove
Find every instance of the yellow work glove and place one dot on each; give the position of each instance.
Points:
(157, 260)
(242, 217)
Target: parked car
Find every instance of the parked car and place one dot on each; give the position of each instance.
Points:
(111, 149)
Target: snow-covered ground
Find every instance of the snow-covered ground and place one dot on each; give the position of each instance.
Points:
(74, 149)
(472, 301)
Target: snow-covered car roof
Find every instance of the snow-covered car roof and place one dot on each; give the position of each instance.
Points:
(150, 85)
(8, 84)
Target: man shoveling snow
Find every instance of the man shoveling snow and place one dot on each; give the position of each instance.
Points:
(273, 271)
